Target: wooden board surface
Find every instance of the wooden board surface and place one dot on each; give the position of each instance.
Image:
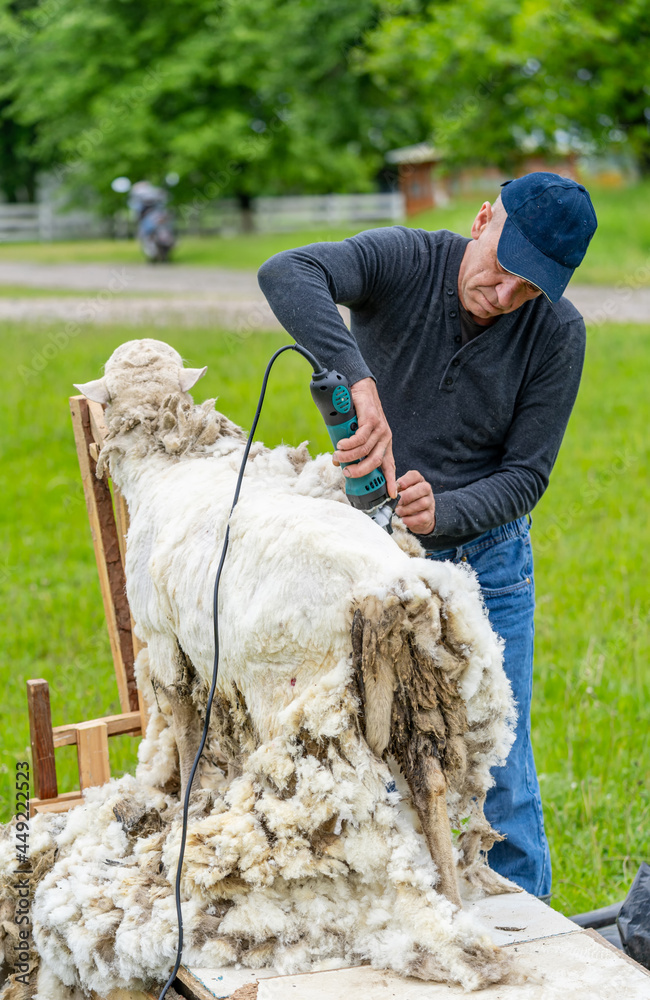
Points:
(518, 916)
(553, 958)
(190, 987)
(557, 968)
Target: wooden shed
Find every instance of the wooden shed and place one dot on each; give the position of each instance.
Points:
(414, 168)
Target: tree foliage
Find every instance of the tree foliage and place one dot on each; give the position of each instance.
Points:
(269, 96)
(498, 77)
(236, 96)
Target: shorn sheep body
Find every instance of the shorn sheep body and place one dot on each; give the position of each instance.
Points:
(360, 705)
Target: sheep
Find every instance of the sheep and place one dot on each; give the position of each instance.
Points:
(360, 705)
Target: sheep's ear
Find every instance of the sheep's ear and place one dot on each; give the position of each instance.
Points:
(96, 390)
(190, 376)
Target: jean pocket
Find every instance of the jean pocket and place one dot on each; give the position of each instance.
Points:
(505, 567)
(514, 588)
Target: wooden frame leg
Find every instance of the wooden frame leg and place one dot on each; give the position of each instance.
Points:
(42, 739)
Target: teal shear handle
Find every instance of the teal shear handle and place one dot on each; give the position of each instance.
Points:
(331, 393)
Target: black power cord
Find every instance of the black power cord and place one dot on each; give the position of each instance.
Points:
(317, 367)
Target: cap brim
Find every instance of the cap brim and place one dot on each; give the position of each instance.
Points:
(520, 257)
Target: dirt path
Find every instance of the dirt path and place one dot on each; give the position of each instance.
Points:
(178, 295)
(240, 316)
(137, 294)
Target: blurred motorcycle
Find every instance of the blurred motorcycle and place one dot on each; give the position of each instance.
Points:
(154, 220)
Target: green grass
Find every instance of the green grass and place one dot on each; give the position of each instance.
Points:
(27, 292)
(619, 252)
(246, 251)
(591, 713)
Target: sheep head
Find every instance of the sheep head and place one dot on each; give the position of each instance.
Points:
(144, 389)
(141, 371)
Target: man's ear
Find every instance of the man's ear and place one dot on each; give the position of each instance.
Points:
(190, 376)
(482, 220)
(96, 390)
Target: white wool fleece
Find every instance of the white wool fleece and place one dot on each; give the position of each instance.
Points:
(305, 854)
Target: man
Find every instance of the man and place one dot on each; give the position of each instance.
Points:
(465, 360)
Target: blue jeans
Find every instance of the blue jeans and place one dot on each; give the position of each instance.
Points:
(503, 561)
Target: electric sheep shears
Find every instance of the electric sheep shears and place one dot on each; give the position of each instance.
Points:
(331, 393)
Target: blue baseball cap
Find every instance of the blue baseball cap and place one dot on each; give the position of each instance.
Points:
(546, 234)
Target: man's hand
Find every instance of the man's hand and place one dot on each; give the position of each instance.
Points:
(417, 506)
(373, 441)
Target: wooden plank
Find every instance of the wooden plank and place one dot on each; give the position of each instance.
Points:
(599, 939)
(190, 987)
(122, 521)
(92, 754)
(62, 797)
(224, 982)
(566, 965)
(517, 916)
(98, 427)
(144, 714)
(40, 732)
(128, 722)
(99, 430)
(107, 553)
(62, 804)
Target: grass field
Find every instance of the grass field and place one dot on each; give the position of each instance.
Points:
(619, 252)
(591, 713)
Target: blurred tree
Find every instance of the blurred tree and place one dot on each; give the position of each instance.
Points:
(235, 96)
(18, 169)
(250, 97)
(587, 73)
(496, 77)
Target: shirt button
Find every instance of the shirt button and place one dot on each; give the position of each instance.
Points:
(456, 362)
(457, 340)
(453, 313)
(449, 381)
(450, 291)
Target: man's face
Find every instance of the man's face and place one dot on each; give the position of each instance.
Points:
(487, 290)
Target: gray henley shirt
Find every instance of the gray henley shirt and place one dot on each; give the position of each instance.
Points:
(483, 420)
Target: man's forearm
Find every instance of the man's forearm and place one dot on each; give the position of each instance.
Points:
(502, 497)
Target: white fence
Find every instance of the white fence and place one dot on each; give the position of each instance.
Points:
(41, 222)
(44, 222)
(210, 218)
(278, 214)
